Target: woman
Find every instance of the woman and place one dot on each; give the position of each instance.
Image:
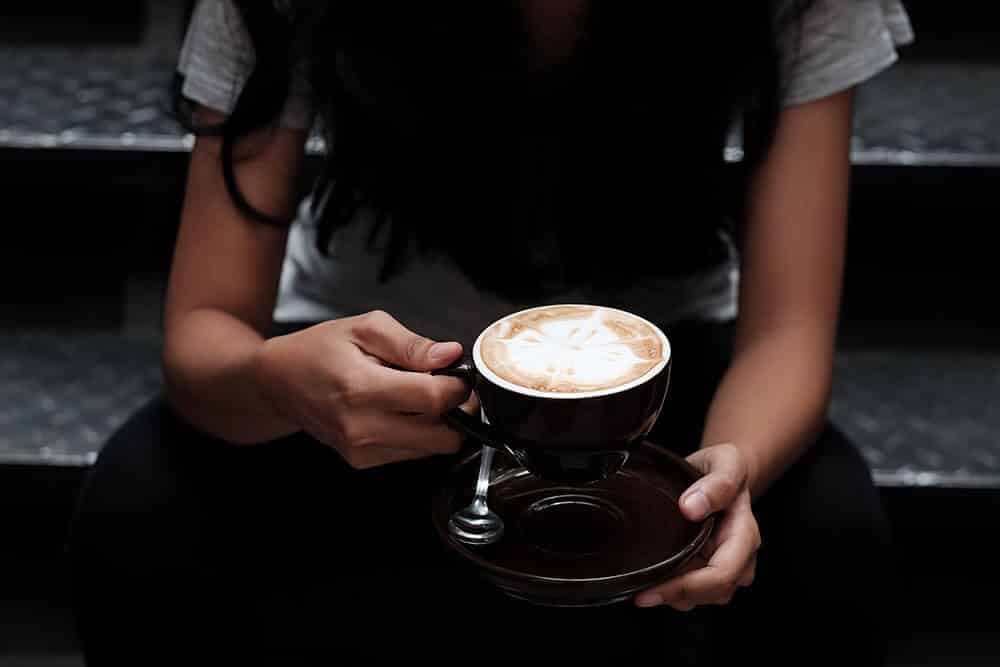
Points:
(482, 157)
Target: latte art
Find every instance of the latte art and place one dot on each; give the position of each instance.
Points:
(571, 349)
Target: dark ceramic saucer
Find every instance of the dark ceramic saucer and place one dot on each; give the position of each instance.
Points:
(585, 545)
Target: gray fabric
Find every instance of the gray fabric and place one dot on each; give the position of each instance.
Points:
(216, 57)
(841, 43)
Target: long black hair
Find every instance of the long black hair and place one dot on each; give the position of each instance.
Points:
(436, 119)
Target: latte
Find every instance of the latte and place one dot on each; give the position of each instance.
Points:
(570, 349)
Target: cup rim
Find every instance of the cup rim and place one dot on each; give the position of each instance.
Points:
(493, 378)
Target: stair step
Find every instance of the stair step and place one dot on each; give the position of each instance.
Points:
(102, 99)
(63, 394)
(922, 417)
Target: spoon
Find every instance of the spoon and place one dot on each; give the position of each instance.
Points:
(476, 524)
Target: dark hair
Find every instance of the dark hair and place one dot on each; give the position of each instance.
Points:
(434, 119)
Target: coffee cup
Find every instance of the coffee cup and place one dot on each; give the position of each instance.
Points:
(568, 390)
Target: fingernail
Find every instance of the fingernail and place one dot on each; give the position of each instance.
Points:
(697, 505)
(441, 351)
(648, 600)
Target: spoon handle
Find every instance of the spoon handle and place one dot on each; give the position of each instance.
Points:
(483, 483)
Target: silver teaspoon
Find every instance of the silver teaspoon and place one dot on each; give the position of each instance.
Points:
(476, 524)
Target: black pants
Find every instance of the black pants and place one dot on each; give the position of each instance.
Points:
(185, 546)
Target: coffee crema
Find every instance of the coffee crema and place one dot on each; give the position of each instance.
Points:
(571, 349)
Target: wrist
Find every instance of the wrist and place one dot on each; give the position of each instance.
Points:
(753, 464)
(271, 391)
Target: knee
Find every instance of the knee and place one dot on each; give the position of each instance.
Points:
(133, 510)
(831, 537)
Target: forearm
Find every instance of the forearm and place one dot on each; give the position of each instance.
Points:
(772, 401)
(210, 364)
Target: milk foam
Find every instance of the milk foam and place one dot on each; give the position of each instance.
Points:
(571, 349)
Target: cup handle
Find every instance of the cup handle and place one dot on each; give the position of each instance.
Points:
(470, 425)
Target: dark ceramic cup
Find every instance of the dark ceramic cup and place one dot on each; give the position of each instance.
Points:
(562, 437)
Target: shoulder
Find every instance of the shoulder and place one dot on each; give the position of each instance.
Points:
(215, 28)
(836, 44)
(217, 56)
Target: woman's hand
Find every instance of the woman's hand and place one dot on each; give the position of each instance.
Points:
(731, 551)
(334, 381)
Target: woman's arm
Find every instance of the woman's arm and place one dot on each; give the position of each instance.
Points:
(337, 380)
(773, 400)
(223, 285)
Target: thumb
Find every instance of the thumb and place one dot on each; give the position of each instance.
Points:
(381, 335)
(724, 480)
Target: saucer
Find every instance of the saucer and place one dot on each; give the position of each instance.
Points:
(579, 545)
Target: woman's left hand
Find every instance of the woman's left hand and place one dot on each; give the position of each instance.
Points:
(731, 551)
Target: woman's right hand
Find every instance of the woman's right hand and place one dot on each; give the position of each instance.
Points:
(334, 381)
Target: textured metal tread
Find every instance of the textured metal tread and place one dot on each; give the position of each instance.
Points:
(914, 114)
(930, 114)
(97, 99)
(62, 395)
(921, 417)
